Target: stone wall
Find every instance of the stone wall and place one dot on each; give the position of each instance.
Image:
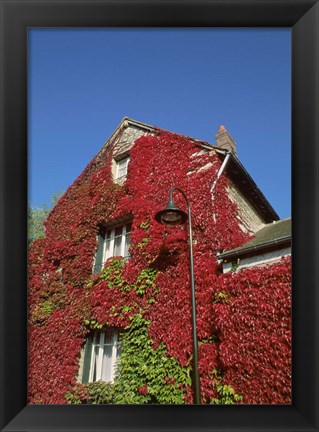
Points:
(126, 140)
(250, 220)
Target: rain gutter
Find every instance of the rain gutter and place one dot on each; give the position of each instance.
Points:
(246, 251)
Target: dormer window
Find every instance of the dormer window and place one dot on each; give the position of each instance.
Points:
(121, 168)
(112, 242)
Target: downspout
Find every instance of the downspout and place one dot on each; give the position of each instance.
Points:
(220, 172)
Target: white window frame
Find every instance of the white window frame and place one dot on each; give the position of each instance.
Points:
(108, 252)
(126, 160)
(98, 340)
(108, 249)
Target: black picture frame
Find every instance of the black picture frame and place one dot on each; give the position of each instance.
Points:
(19, 15)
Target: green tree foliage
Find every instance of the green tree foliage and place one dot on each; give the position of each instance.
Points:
(37, 216)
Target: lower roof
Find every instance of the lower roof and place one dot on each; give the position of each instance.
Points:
(272, 236)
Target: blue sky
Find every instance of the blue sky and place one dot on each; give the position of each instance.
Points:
(82, 82)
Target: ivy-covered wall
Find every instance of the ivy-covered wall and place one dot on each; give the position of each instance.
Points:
(243, 318)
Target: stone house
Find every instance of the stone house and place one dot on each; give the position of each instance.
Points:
(109, 288)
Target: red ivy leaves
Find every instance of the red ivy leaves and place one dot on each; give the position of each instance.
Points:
(254, 329)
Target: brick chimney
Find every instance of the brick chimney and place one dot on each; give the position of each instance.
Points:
(224, 140)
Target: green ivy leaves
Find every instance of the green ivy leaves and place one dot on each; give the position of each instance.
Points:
(145, 279)
(226, 393)
(146, 375)
(94, 393)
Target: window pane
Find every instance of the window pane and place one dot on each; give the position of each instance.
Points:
(107, 250)
(110, 336)
(117, 245)
(99, 254)
(110, 354)
(118, 345)
(87, 359)
(107, 364)
(118, 231)
(122, 167)
(96, 357)
(122, 172)
(127, 244)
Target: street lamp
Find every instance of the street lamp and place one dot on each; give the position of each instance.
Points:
(171, 216)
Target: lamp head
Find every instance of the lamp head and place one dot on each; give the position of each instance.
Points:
(171, 215)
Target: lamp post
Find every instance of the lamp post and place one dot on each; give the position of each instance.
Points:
(171, 216)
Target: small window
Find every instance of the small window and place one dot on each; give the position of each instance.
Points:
(101, 351)
(112, 242)
(121, 168)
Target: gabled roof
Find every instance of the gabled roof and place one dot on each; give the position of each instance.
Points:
(235, 170)
(275, 235)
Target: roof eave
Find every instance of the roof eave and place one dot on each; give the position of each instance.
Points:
(256, 249)
(258, 199)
